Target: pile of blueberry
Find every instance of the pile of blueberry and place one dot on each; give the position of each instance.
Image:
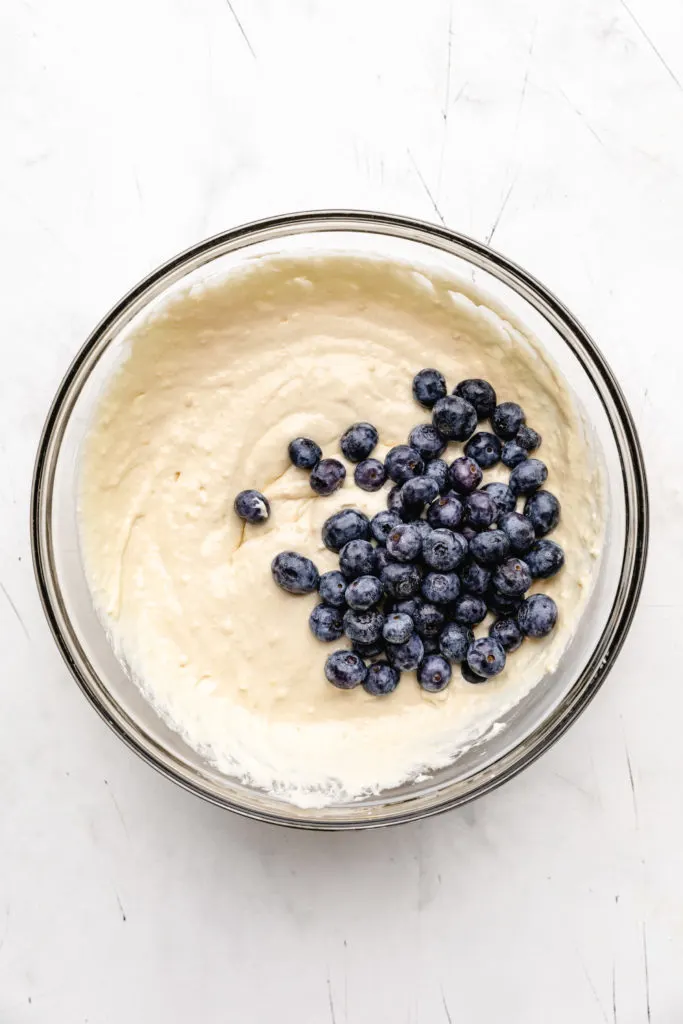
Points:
(415, 580)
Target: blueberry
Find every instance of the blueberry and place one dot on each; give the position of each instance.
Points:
(423, 528)
(469, 676)
(444, 550)
(326, 622)
(468, 610)
(465, 475)
(345, 669)
(397, 628)
(429, 620)
(332, 588)
(367, 651)
(438, 471)
(512, 578)
(544, 559)
(363, 627)
(445, 512)
(527, 438)
(490, 547)
(363, 592)
(428, 387)
(502, 496)
(512, 454)
(395, 501)
(480, 510)
(434, 673)
(468, 533)
(506, 419)
(304, 453)
(381, 678)
(358, 441)
(507, 633)
(528, 476)
(409, 606)
(370, 475)
(519, 531)
(401, 581)
(406, 656)
(475, 578)
(440, 587)
(327, 476)
(455, 640)
(294, 573)
(339, 529)
(252, 506)
(417, 493)
(403, 463)
(478, 393)
(486, 657)
(455, 418)
(382, 559)
(427, 440)
(404, 543)
(431, 645)
(537, 615)
(357, 558)
(484, 448)
(543, 509)
(500, 604)
(382, 524)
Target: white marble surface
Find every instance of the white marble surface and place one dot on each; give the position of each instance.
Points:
(129, 130)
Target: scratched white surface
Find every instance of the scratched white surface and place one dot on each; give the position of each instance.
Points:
(129, 130)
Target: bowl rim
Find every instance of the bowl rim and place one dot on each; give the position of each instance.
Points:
(573, 334)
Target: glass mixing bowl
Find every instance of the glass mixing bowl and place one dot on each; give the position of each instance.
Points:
(534, 723)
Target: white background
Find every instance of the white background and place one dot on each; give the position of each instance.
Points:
(131, 129)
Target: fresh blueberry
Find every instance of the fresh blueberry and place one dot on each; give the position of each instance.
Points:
(428, 387)
(543, 509)
(445, 512)
(327, 476)
(434, 673)
(506, 419)
(252, 506)
(465, 475)
(427, 440)
(404, 543)
(423, 528)
(444, 550)
(500, 604)
(502, 496)
(480, 510)
(294, 573)
(486, 657)
(401, 581)
(345, 669)
(512, 578)
(512, 454)
(406, 656)
(367, 651)
(507, 633)
(544, 559)
(382, 524)
(537, 615)
(438, 471)
(478, 393)
(490, 547)
(440, 587)
(358, 441)
(370, 475)
(429, 620)
(469, 676)
(468, 610)
(339, 529)
(397, 628)
(357, 558)
(382, 559)
(417, 493)
(326, 622)
(455, 418)
(363, 627)
(403, 463)
(484, 448)
(395, 501)
(519, 531)
(468, 532)
(528, 438)
(363, 592)
(528, 476)
(431, 645)
(455, 640)
(407, 607)
(381, 678)
(332, 588)
(475, 578)
(304, 453)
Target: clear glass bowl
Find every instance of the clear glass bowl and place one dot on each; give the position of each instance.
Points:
(537, 721)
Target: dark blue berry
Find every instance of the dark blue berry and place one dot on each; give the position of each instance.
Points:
(512, 454)
(326, 622)
(382, 559)
(440, 587)
(431, 645)
(363, 592)
(404, 543)
(519, 532)
(502, 497)
(401, 580)
(455, 418)
(406, 656)
(465, 475)
(468, 610)
(304, 453)
(484, 448)
(438, 471)
(506, 419)
(427, 440)
(252, 506)
(429, 620)
(294, 573)
(543, 510)
(528, 476)
(445, 512)
(417, 493)
(423, 528)
(475, 578)
(428, 387)
(357, 558)
(434, 673)
(486, 657)
(381, 678)
(348, 524)
(512, 578)
(332, 588)
(367, 651)
(444, 550)
(363, 627)
(370, 475)
(544, 559)
(537, 615)
(395, 500)
(345, 669)
(468, 533)
(480, 510)
(403, 463)
(478, 393)
(358, 441)
(500, 604)
(408, 607)
(507, 633)
(327, 476)
(469, 676)
(528, 438)
(490, 547)
(455, 640)
(397, 628)
(382, 524)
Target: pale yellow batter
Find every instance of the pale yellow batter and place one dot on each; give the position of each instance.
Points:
(215, 387)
